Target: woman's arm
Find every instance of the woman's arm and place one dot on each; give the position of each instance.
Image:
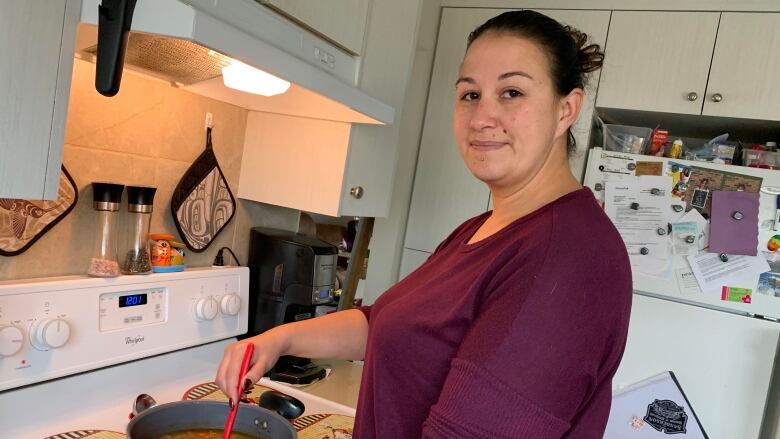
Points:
(341, 335)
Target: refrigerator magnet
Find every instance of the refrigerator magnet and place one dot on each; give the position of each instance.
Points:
(700, 195)
(733, 294)
(774, 243)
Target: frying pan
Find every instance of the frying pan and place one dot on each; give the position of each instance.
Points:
(189, 415)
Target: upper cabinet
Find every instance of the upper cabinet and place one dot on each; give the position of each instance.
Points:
(658, 61)
(693, 63)
(341, 21)
(330, 167)
(36, 46)
(745, 67)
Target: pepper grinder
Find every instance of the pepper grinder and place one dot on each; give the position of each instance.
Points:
(107, 198)
(139, 205)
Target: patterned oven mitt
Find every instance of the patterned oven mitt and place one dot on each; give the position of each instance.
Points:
(202, 204)
(22, 222)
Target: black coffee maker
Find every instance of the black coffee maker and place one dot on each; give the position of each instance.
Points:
(289, 275)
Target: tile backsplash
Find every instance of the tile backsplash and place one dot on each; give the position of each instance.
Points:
(146, 135)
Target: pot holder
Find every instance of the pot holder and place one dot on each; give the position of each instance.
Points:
(202, 204)
(22, 222)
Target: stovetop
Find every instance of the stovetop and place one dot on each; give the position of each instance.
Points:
(76, 351)
(96, 405)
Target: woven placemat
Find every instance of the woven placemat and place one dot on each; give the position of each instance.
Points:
(210, 392)
(324, 426)
(91, 434)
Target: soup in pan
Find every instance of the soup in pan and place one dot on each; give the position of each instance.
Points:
(204, 434)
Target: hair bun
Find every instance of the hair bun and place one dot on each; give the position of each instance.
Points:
(590, 56)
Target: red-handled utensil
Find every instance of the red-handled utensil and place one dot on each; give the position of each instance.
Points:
(250, 349)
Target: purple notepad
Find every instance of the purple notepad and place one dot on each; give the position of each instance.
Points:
(734, 223)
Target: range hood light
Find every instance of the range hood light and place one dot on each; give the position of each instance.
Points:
(246, 78)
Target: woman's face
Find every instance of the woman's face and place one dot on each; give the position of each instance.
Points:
(509, 123)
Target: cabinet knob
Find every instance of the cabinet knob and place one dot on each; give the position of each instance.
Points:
(692, 96)
(356, 191)
(717, 97)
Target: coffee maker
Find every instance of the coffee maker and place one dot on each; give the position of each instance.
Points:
(289, 275)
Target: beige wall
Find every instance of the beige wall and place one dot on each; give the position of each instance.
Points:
(148, 134)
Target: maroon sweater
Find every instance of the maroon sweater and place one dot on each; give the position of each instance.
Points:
(515, 336)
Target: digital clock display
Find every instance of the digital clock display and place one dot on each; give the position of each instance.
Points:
(132, 300)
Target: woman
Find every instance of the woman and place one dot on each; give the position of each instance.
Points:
(516, 324)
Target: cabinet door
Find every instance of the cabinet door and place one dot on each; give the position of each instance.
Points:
(36, 46)
(746, 67)
(445, 193)
(658, 61)
(341, 21)
(595, 24)
(385, 71)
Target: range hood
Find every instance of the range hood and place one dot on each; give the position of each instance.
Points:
(188, 42)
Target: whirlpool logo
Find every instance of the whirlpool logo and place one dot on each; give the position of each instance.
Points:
(134, 340)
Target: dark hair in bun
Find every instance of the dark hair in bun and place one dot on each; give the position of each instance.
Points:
(570, 56)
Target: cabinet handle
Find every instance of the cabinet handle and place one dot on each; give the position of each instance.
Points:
(717, 97)
(356, 192)
(692, 96)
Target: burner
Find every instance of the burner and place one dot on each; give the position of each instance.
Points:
(91, 434)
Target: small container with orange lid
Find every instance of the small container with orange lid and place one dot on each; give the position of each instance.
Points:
(167, 254)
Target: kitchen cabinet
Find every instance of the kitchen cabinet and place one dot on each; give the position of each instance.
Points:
(331, 167)
(445, 193)
(745, 67)
(693, 63)
(37, 38)
(341, 21)
(658, 61)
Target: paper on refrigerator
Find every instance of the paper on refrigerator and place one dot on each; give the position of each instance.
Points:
(640, 208)
(703, 227)
(712, 273)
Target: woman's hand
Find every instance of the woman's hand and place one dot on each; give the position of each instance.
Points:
(341, 335)
(269, 346)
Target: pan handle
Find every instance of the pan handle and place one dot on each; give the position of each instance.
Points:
(115, 17)
(285, 405)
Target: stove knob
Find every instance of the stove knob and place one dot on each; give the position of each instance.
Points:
(206, 308)
(48, 334)
(230, 304)
(11, 339)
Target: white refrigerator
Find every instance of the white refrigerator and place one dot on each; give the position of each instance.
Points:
(721, 352)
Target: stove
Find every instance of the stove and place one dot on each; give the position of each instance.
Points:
(76, 351)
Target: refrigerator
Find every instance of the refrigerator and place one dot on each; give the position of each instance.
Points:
(721, 352)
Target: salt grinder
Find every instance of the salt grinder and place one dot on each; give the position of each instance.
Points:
(107, 198)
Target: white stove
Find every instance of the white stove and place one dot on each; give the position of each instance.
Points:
(76, 351)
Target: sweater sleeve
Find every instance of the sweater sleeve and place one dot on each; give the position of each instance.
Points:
(538, 367)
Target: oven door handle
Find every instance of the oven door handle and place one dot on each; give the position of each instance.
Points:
(115, 17)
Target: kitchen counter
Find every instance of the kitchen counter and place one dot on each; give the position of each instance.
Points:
(342, 385)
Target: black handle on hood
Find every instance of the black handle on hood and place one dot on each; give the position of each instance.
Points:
(114, 21)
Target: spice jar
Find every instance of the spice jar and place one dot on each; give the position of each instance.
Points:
(139, 205)
(161, 249)
(167, 254)
(107, 198)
